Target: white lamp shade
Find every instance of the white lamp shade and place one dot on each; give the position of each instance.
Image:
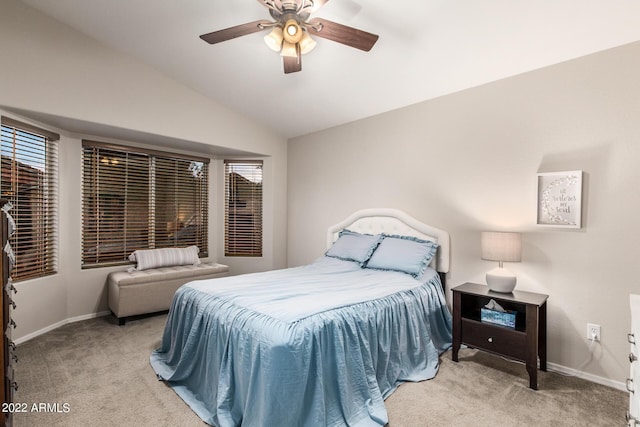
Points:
(501, 246)
(274, 39)
(292, 31)
(306, 43)
(289, 49)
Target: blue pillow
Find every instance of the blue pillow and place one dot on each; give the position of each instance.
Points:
(403, 253)
(352, 246)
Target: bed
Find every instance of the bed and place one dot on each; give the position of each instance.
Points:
(317, 345)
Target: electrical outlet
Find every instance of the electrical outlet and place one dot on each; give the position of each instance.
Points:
(593, 331)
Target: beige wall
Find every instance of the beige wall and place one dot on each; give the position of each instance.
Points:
(51, 71)
(467, 162)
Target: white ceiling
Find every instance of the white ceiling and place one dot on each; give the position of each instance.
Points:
(427, 48)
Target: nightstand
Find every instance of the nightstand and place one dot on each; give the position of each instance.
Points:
(526, 342)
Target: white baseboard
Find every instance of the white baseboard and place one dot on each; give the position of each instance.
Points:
(586, 376)
(60, 323)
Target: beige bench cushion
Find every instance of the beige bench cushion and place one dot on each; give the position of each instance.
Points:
(148, 291)
(124, 278)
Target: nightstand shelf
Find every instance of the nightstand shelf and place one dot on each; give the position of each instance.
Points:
(475, 315)
(526, 342)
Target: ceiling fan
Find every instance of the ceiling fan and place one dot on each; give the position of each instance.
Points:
(291, 29)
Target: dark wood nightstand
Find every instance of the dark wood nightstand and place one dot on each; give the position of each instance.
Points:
(526, 342)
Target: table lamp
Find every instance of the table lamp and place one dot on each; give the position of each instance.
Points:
(501, 247)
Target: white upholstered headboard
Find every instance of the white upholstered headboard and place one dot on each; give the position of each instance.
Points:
(393, 221)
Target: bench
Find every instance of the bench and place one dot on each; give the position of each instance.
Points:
(149, 291)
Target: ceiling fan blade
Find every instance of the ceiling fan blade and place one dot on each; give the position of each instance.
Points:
(233, 32)
(291, 64)
(342, 34)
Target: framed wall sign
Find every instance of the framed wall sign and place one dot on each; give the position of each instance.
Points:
(560, 199)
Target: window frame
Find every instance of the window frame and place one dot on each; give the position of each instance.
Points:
(154, 211)
(43, 230)
(252, 247)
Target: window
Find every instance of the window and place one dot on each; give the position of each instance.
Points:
(29, 180)
(243, 208)
(140, 199)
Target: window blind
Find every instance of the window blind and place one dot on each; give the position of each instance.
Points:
(29, 180)
(140, 199)
(243, 208)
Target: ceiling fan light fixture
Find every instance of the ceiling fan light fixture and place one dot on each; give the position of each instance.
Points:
(274, 39)
(292, 31)
(306, 43)
(289, 49)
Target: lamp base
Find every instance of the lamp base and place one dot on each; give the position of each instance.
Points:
(501, 280)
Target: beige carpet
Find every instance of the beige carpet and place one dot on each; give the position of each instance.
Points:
(101, 370)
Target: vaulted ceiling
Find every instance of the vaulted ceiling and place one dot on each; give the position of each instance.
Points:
(426, 49)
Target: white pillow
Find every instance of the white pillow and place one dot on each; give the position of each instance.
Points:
(152, 258)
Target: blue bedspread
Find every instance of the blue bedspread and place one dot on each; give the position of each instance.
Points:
(319, 345)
